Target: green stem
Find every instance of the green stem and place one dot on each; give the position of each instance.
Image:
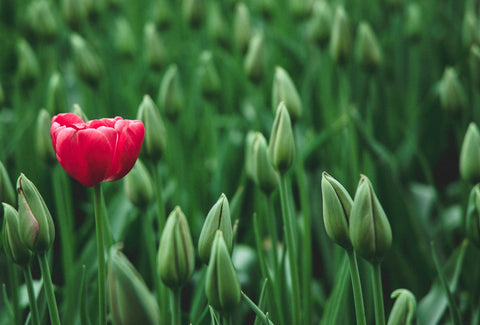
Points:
(357, 289)
(13, 286)
(102, 295)
(378, 295)
(50, 295)
(176, 307)
(27, 272)
(272, 228)
(291, 251)
(256, 310)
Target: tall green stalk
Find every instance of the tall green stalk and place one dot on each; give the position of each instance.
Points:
(27, 272)
(102, 294)
(176, 307)
(50, 295)
(357, 289)
(378, 295)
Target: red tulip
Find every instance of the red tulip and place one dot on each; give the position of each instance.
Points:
(98, 150)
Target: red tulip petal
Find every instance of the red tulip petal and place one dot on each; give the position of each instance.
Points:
(60, 121)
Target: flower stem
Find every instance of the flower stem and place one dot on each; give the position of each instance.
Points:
(357, 289)
(176, 307)
(13, 285)
(291, 251)
(102, 298)
(50, 295)
(378, 295)
(27, 272)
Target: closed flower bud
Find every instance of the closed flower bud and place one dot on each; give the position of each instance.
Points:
(403, 310)
(285, 91)
(474, 65)
(472, 220)
(56, 98)
(162, 13)
(413, 22)
(337, 205)
(320, 24)
(208, 74)
(43, 140)
(254, 63)
(124, 38)
(193, 12)
(249, 161)
(300, 8)
(341, 38)
(242, 27)
(130, 300)
(452, 94)
(170, 94)
(87, 64)
(469, 28)
(138, 186)
(36, 228)
(7, 193)
(368, 52)
(155, 54)
(176, 254)
(217, 29)
(222, 285)
(265, 176)
(469, 162)
(218, 218)
(28, 69)
(41, 19)
(370, 230)
(74, 12)
(155, 140)
(14, 247)
(282, 145)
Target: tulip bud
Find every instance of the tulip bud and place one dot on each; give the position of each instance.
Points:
(87, 64)
(474, 65)
(340, 39)
(176, 254)
(170, 95)
(130, 300)
(218, 218)
(472, 220)
(413, 21)
(193, 12)
(155, 140)
(469, 28)
(452, 94)
(162, 13)
(403, 310)
(370, 230)
(249, 161)
(265, 176)
(320, 25)
(124, 38)
(41, 19)
(222, 285)
(208, 74)
(469, 162)
(300, 8)
(282, 146)
(28, 69)
(7, 193)
(284, 91)
(242, 27)
(217, 29)
(43, 140)
(77, 110)
(14, 247)
(368, 52)
(36, 228)
(56, 98)
(138, 186)
(254, 63)
(337, 205)
(74, 12)
(154, 48)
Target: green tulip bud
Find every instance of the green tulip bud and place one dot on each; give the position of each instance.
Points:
(264, 174)
(170, 94)
(74, 12)
(41, 19)
(254, 63)
(249, 161)
(14, 247)
(320, 24)
(282, 145)
(56, 97)
(218, 218)
(242, 27)
(43, 140)
(193, 12)
(7, 193)
(155, 141)
(341, 38)
(155, 53)
(469, 162)
(208, 74)
(217, 29)
(28, 69)
(413, 21)
(337, 205)
(162, 13)
(176, 254)
(469, 28)
(370, 230)
(130, 300)
(284, 91)
(222, 285)
(403, 310)
(138, 186)
(300, 8)
(452, 94)
(124, 38)
(77, 110)
(87, 64)
(36, 228)
(368, 52)
(474, 65)
(472, 220)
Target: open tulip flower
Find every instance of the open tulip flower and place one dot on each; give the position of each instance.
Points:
(98, 150)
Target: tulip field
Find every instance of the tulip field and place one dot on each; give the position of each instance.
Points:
(240, 162)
